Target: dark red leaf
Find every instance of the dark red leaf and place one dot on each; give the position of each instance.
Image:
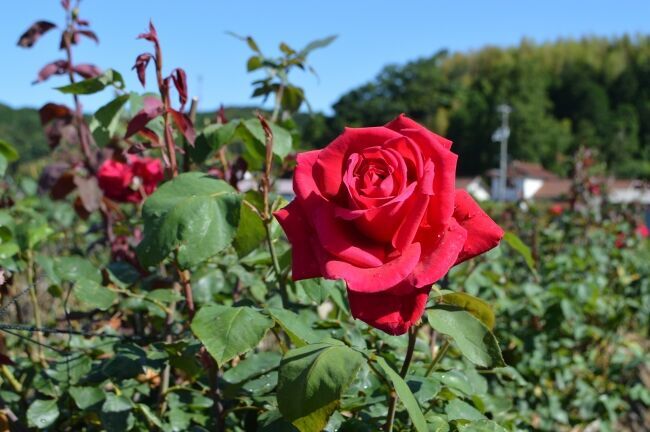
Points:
(83, 22)
(51, 111)
(141, 63)
(89, 34)
(89, 192)
(184, 124)
(50, 175)
(63, 186)
(151, 136)
(151, 36)
(65, 4)
(33, 33)
(4, 360)
(87, 70)
(60, 129)
(58, 67)
(180, 82)
(153, 107)
(221, 115)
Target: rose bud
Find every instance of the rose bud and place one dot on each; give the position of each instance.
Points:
(378, 208)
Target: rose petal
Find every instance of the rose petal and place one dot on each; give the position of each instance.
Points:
(439, 253)
(337, 237)
(403, 122)
(441, 206)
(482, 232)
(379, 223)
(304, 264)
(386, 311)
(328, 169)
(370, 280)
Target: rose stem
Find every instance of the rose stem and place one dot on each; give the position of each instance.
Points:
(79, 121)
(31, 280)
(441, 353)
(267, 217)
(164, 95)
(392, 402)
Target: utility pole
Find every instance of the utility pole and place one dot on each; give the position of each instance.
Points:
(501, 135)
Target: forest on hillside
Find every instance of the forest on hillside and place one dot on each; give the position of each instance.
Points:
(592, 92)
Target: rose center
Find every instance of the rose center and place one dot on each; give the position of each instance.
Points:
(374, 178)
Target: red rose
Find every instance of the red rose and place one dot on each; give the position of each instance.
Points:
(378, 207)
(125, 182)
(556, 209)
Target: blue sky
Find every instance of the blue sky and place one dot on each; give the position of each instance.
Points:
(371, 35)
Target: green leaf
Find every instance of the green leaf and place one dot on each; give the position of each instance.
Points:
(518, 245)
(312, 379)
(281, 137)
(228, 331)
(73, 268)
(32, 232)
(253, 63)
(116, 403)
(42, 413)
(193, 213)
(8, 151)
(481, 426)
(86, 397)
(292, 98)
(165, 295)
(96, 84)
(93, 294)
(106, 121)
(3, 165)
(251, 232)
(405, 395)
(457, 409)
(7, 250)
(472, 337)
(299, 333)
(318, 43)
(477, 307)
(151, 417)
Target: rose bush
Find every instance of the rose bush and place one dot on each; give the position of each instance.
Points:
(378, 208)
(126, 181)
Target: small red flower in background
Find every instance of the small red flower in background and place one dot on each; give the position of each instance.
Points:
(556, 209)
(378, 207)
(130, 181)
(642, 230)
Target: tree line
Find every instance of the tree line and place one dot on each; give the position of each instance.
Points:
(566, 94)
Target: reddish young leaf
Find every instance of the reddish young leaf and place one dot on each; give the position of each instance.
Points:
(184, 124)
(87, 70)
(151, 136)
(221, 115)
(153, 107)
(33, 33)
(58, 67)
(151, 36)
(83, 22)
(65, 4)
(51, 111)
(88, 33)
(63, 185)
(141, 63)
(180, 82)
